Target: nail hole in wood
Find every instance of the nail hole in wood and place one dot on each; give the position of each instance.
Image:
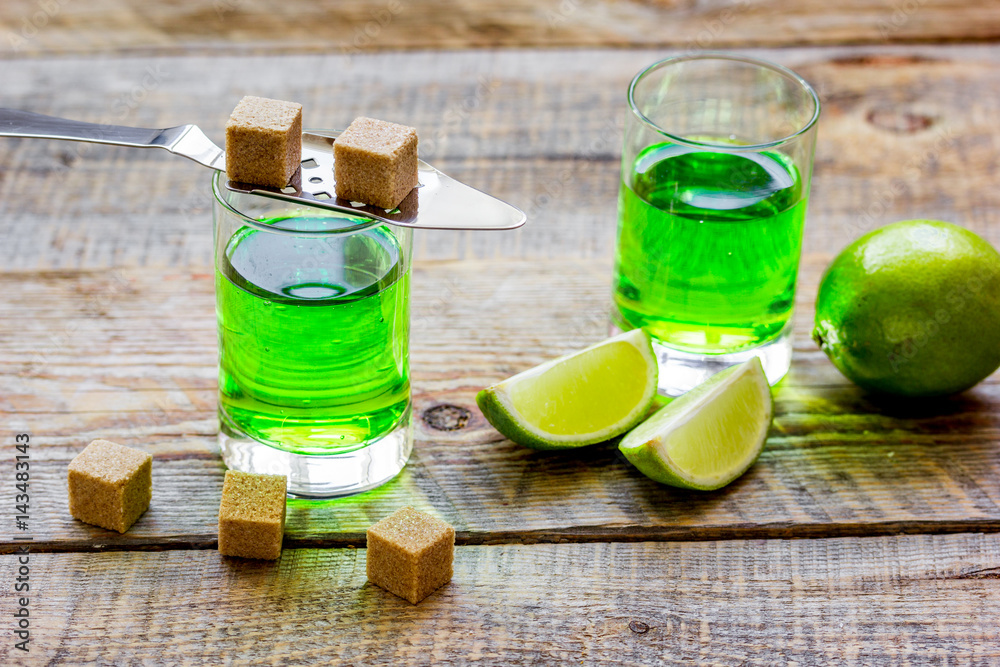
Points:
(447, 417)
(638, 627)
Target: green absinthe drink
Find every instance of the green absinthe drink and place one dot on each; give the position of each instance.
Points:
(708, 246)
(313, 336)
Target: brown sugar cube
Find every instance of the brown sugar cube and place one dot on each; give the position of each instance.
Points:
(110, 485)
(252, 515)
(375, 162)
(264, 141)
(410, 554)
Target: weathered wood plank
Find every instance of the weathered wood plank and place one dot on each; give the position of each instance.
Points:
(297, 26)
(131, 357)
(893, 600)
(514, 497)
(905, 133)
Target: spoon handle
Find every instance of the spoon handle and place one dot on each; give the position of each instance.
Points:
(186, 140)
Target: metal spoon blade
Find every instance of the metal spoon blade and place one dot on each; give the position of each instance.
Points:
(438, 202)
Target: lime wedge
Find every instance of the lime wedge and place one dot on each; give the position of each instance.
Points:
(580, 399)
(709, 436)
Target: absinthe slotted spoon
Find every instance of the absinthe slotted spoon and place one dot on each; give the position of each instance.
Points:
(438, 202)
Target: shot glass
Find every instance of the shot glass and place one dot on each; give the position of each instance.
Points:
(314, 324)
(716, 167)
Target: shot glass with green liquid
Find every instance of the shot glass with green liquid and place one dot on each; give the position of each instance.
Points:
(716, 166)
(314, 321)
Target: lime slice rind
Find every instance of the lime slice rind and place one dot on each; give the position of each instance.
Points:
(731, 408)
(575, 383)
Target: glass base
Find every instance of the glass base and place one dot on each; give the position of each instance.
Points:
(682, 371)
(321, 475)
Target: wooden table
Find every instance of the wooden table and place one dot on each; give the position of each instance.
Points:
(867, 533)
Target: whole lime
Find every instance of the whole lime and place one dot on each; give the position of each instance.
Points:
(912, 309)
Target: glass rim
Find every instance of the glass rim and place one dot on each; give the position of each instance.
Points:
(719, 55)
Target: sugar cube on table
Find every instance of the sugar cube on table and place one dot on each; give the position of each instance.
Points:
(375, 162)
(110, 485)
(252, 515)
(410, 554)
(264, 141)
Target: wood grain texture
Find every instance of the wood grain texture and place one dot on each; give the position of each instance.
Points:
(294, 26)
(879, 601)
(130, 356)
(905, 133)
(107, 330)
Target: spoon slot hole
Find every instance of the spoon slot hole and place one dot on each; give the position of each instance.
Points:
(309, 163)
